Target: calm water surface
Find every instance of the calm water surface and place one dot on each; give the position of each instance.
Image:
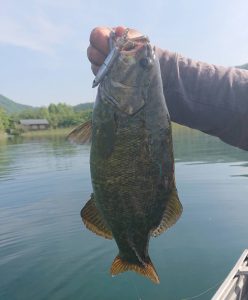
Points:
(46, 253)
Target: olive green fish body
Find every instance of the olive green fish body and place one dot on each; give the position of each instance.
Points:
(132, 165)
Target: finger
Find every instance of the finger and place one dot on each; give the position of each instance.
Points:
(119, 30)
(94, 69)
(99, 39)
(94, 56)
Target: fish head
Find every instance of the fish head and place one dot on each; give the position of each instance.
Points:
(134, 63)
(127, 83)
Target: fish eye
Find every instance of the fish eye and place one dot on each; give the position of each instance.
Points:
(145, 62)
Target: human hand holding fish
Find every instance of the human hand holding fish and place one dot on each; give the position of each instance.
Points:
(99, 46)
(191, 95)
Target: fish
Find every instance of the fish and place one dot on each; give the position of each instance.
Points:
(131, 159)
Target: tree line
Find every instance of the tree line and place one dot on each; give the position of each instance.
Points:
(58, 115)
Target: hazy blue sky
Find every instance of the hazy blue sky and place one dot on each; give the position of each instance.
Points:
(43, 42)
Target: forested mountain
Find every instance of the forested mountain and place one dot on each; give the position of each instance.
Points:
(245, 66)
(83, 106)
(58, 115)
(12, 107)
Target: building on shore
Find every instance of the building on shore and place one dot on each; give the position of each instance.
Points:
(34, 124)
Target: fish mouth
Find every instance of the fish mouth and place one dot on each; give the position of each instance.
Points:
(140, 51)
(135, 50)
(132, 46)
(127, 84)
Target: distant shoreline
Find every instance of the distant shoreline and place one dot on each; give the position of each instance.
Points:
(66, 131)
(48, 132)
(3, 135)
(39, 133)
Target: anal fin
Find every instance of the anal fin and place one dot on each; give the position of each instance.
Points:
(81, 134)
(171, 214)
(94, 221)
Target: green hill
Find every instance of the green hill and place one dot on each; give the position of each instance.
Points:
(245, 66)
(83, 106)
(12, 107)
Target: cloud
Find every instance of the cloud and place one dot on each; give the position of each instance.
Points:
(36, 33)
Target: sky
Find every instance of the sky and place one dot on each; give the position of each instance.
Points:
(43, 43)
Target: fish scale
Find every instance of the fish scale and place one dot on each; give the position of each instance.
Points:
(125, 175)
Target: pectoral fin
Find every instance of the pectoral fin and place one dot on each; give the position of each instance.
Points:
(94, 221)
(81, 134)
(171, 214)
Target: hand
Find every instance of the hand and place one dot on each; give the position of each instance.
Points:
(99, 44)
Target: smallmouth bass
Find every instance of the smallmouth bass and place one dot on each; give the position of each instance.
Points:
(132, 165)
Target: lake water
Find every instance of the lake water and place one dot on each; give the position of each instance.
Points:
(46, 252)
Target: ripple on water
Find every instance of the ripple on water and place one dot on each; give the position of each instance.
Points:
(46, 252)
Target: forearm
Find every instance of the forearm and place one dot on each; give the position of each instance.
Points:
(206, 97)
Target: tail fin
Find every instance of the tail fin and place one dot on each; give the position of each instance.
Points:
(119, 266)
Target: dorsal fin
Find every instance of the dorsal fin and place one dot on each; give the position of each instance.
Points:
(94, 221)
(81, 134)
(171, 214)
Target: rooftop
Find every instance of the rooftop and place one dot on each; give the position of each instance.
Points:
(34, 122)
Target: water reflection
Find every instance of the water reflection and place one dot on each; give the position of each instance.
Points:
(194, 146)
(46, 253)
(35, 153)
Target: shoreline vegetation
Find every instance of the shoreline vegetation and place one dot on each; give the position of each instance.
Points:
(3, 135)
(61, 118)
(40, 133)
(176, 128)
(48, 132)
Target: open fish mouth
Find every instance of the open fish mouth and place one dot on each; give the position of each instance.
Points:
(126, 84)
(126, 47)
(131, 46)
(127, 43)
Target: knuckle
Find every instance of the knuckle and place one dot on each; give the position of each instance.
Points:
(95, 33)
(94, 69)
(89, 52)
(94, 56)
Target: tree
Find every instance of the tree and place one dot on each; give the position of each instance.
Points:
(58, 115)
(4, 120)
